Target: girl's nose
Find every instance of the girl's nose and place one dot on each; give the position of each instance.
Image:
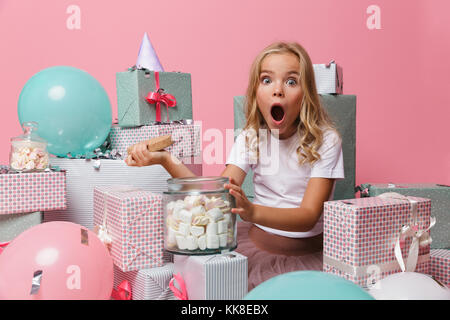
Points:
(278, 92)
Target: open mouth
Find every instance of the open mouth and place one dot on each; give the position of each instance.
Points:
(277, 113)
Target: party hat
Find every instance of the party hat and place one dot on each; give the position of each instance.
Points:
(147, 56)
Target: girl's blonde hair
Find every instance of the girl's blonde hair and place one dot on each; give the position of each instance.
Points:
(312, 120)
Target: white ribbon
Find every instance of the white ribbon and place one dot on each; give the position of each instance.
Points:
(102, 232)
(419, 237)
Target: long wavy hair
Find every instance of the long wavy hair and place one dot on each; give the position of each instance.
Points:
(312, 121)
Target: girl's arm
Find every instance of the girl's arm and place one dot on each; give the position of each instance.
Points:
(299, 219)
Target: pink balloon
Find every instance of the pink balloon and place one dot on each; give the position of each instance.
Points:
(71, 270)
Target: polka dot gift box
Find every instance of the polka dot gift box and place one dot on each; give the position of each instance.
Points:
(186, 138)
(367, 239)
(33, 191)
(440, 265)
(130, 222)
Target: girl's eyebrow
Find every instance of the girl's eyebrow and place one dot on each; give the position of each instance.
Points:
(271, 72)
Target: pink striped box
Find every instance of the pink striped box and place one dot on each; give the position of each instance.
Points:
(186, 138)
(133, 219)
(360, 236)
(440, 265)
(32, 191)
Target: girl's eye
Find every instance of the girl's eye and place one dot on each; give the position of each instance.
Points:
(265, 80)
(291, 82)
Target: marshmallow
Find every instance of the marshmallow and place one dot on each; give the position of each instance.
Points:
(223, 239)
(181, 242)
(211, 228)
(222, 226)
(193, 201)
(214, 214)
(202, 242)
(197, 230)
(171, 237)
(212, 241)
(184, 229)
(191, 243)
(171, 222)
(198, 210)
(185, 216)
(227, 218)
(200, 220)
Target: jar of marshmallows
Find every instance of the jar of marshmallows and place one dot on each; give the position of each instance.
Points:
(198, 218)
(28, 151)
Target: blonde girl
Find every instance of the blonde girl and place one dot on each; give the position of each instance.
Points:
(295, 154)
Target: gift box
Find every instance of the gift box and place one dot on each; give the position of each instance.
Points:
(33, 191)
(186, 137)
(11, 225)
(329, 78)
(144, 97)
(362, 237)
(342, 110)
(147, 284)
(133, 219)
(440, 204)
(83, 175)
(440, 265)
(213, 277)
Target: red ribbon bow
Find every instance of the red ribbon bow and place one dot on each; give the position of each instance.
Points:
(123, 291)
(179, 293)
(159, 96)
(3, 245)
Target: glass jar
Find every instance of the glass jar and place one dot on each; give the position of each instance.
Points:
(198, 218)
(28, 151)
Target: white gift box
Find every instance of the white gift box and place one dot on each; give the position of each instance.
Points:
(329, 78)
(213, 277)
(82, 176)
(147, 284)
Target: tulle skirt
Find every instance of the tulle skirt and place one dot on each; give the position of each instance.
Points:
(263, 265)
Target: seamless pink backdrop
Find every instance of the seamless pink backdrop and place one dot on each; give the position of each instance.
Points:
(400, 73)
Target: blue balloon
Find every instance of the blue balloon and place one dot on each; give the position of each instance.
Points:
(71, 107)
(308, 285)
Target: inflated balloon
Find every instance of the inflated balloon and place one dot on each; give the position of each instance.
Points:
(55, 261)
(409, 286)
(308, 285)
(71, 107)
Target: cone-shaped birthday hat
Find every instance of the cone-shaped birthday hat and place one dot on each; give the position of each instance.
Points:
(147, 56)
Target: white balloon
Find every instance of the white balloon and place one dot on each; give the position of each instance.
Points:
(409, 286)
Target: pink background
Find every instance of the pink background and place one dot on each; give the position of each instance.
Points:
(400, 73)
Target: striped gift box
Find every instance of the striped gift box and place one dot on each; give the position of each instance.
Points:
(82, 177)
(186, 138)
(360, 235)
(133, 219)
(213, 277)
(440, 265)
(33, 191)
(147, 284)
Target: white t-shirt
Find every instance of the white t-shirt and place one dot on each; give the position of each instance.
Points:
(279, 180)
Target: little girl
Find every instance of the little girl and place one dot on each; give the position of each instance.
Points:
(282, 227)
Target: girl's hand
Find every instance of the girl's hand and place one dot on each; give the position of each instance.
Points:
(244, 207)
(139, 156)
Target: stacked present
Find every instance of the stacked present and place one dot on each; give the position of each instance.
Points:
(439, 196)
(24, 196)
(124, 203)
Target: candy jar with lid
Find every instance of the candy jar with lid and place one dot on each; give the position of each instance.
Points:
(198, 218)
(28, 151)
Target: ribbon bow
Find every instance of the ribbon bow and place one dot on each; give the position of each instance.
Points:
(3, 245)
(179, 293)
(158, 96)
(123, 291)
(419, 237)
